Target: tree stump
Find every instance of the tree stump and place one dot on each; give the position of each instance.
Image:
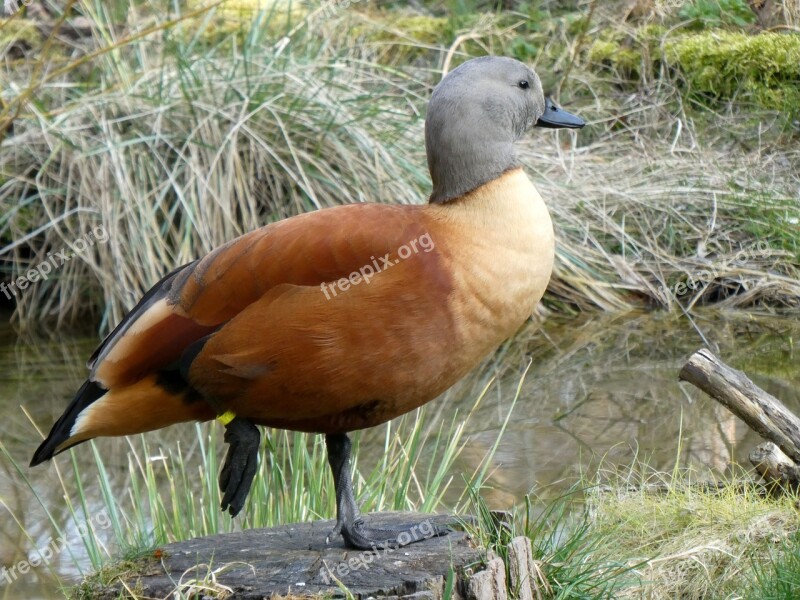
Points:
(294, 560)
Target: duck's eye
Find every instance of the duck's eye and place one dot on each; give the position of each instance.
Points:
(524, 84)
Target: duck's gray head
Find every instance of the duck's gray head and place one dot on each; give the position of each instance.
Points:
(475, 115)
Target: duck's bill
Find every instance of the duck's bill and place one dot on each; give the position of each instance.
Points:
(557, 118)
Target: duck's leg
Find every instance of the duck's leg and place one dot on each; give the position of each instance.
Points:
(241, 463)
(349, 523)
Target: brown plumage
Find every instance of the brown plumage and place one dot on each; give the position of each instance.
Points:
(330, 321)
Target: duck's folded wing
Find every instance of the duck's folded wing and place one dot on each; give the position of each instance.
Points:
(196, 299)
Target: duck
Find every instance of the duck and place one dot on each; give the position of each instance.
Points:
(342, 318)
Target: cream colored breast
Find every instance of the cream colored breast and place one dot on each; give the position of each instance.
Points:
(501, 242)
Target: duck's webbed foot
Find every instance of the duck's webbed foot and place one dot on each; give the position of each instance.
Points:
(241, 463)
(359, 535)
(349, 523)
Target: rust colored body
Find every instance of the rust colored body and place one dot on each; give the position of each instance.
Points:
(450, 282)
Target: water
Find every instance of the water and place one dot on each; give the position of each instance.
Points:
(600, 391)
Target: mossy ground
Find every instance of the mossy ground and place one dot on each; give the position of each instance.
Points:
(713, 66)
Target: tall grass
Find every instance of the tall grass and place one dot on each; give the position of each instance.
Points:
(175, 151)
(184, 129)
(173, 495)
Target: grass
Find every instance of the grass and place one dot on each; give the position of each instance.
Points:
(628, 533)
(172, 494)
(698, 542)
(778, 576)
(198, 132)
(189, 126)
(640, 533)
(570, 559)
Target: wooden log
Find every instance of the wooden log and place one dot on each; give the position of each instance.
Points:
(489, 584)
(763, 413)
(525, 574)
(774, 466)
(294, 560)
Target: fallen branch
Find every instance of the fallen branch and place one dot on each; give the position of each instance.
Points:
(762, 412)
(773, 465)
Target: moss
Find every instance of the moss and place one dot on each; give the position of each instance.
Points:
(722, 64)
(404, 37)
(19, 31)
(423, 29)
(237, 16)
(96, 584)
(629, 55)
(409, 30)
(611, 52)
(714, 65)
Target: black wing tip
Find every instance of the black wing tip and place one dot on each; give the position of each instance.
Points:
(60, 433)
(43, 453)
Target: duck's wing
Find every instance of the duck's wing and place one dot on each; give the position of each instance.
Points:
(196, 299)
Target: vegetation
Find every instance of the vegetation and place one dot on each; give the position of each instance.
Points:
(712, 66)
(206, 121)
(176, 126)
(172, 494)
(628, 533)
(645, 534)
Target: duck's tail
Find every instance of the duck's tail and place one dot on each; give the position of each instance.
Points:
(153, 402)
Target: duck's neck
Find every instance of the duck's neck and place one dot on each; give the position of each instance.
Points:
(462, 159)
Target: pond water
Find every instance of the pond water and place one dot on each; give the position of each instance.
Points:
(601, 389)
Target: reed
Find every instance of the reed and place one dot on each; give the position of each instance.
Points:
(172, 493)
(178, 133)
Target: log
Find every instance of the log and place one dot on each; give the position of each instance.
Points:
(294, 560)
(525, 574)
(774, 466)
(763, 413)
(489, 584)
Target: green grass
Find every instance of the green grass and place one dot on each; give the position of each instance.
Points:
(641, 533)
(170, 497)
(627, 533)
(778, 577)
(571, 559)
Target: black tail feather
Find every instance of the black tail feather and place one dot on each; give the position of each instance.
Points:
(60, 432)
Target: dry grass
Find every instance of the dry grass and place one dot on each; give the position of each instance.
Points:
(186, 143)
(687, 540)
(637, 231)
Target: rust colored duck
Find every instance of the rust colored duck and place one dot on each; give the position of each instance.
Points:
(346, 317)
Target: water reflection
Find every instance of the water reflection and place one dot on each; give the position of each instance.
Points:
(599, 389)
(606, 389)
